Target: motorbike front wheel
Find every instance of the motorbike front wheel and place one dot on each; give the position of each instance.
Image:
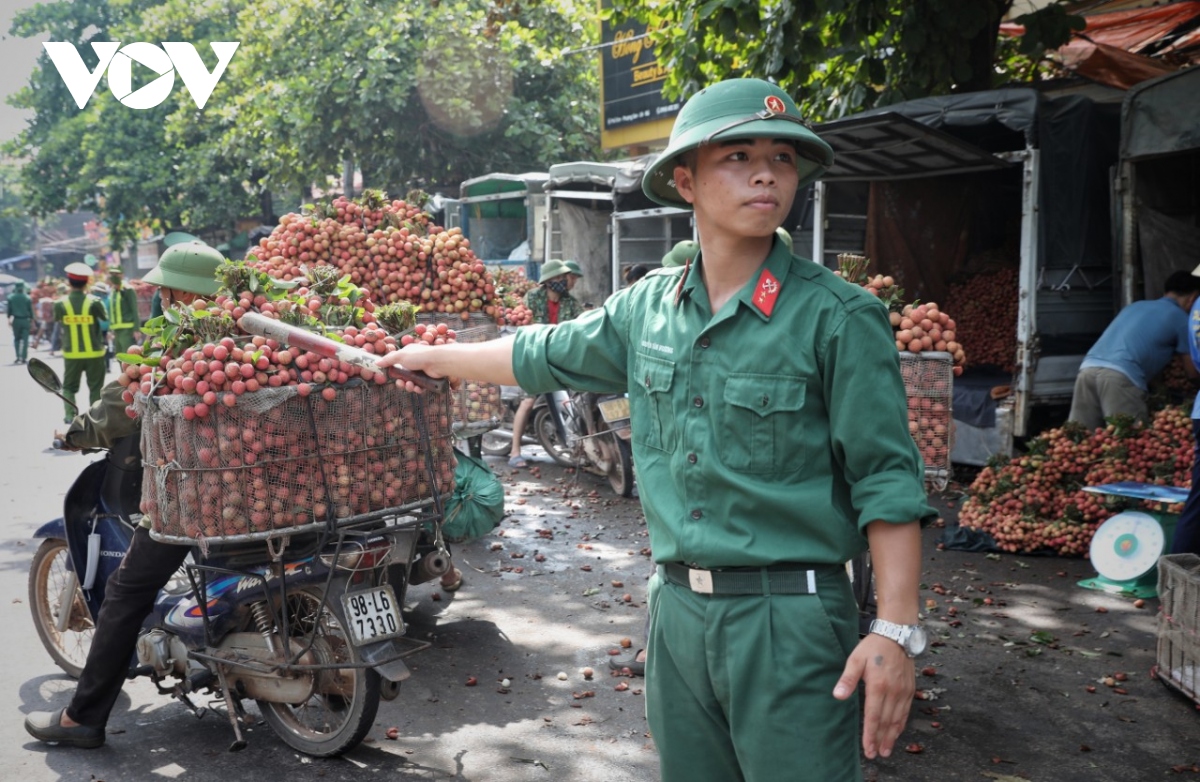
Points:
(342, 708)
(620, 471)
(50, 578)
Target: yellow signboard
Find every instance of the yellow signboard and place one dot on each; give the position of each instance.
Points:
(632, 108)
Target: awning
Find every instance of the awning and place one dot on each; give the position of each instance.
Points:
(892, 146)
(623, 176)
(23, 257)
(1171, 28)
(1162, 117)
(493, 184)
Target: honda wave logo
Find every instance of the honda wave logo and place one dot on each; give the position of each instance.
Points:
(118, 61)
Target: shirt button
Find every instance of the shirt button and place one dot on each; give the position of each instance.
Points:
(696, 514)
(691, 458)
(698, 402)
(705, 342)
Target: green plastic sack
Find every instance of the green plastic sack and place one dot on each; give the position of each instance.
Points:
(477, 504)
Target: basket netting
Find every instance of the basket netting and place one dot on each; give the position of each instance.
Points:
(929, 384)
(1179, 623)
(476, 406)
(277, 461)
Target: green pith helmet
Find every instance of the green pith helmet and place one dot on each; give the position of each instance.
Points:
(735, 109)
(188, 266)
(681, 253)
(19, 287)
(556, 268)
(574, 267)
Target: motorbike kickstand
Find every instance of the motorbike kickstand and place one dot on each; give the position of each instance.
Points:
(235, 711)
(197, 711)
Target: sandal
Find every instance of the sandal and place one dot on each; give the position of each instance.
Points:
(630, 661)
(454, 585)
(517, 462)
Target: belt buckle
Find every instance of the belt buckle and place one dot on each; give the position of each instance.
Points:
(700, 581)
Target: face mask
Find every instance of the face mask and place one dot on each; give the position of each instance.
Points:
(558, 285)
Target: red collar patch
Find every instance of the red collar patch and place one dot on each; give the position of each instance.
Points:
(766, 292)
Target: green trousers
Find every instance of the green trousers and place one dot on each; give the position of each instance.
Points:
(76, 368)
(123, 339)
(741, 687)
(20, 328)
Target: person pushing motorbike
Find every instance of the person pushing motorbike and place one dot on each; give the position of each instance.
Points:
(185, 273)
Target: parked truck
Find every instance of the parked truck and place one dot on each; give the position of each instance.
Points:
(935, 189)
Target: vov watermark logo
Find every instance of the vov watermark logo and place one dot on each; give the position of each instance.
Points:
(174, 57)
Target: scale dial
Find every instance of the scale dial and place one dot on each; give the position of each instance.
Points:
(1127, 546)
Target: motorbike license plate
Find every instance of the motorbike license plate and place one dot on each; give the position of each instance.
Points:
(372, 615)
(614, 409)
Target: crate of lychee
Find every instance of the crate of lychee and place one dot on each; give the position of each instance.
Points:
(1178, 658)
(247, 439)
(928, 385)
(476, 407)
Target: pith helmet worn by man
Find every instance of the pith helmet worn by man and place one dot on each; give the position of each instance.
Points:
(101, 289)
(681, 253)
(189, 267)
(735, 109)
(78, 272)
(556, 268)
(574, 268)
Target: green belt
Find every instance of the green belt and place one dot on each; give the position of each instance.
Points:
(787, 579)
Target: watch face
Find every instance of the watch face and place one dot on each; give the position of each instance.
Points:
(918, 641)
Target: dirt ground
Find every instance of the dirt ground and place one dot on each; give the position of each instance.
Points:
(1014, 688)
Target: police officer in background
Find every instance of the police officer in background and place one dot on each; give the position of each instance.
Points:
(769, 416)
(122, 313)
(81, 318)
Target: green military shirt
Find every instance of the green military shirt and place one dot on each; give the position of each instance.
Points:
(104, 422)
(95, 309)
(538, 302)
(20, 307)
(773, 431)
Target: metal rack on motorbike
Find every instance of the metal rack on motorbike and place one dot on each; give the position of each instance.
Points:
(361, 475)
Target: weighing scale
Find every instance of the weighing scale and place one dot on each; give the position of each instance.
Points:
(1126, 547)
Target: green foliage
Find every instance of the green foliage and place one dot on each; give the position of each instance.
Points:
(418, 94)
(838, 57)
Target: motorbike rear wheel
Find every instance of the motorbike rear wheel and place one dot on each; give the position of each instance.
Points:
(341, 710)
(49, 577)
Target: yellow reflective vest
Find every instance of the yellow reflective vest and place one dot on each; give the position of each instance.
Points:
(82, 338)
(122, 306)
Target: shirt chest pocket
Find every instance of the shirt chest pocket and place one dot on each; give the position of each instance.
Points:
(652, 408)
(762, 423)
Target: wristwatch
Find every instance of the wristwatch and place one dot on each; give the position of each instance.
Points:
(912, 638)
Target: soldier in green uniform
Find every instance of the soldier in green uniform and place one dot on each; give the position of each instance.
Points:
(122, 313)
(769, 418)
(20, 317)
(81, 318)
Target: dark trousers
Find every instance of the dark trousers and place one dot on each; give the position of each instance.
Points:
(1187, 531)
(128, 599)
(20, 329)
